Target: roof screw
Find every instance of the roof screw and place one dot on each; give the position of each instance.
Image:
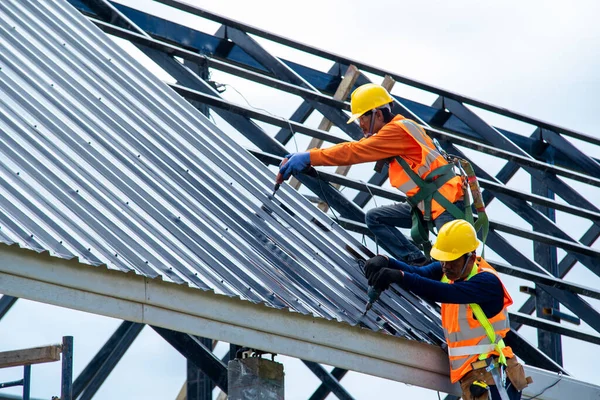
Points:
(35, 126)
(89, 249)
(138, 156)
(60, 242)
(116, 255)
(52, 84)
(76, 190)
(18, 173)
(31, 235)
(146, 262)
(126, 202)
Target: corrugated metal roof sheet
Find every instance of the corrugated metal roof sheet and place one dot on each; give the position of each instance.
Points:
(102, 161)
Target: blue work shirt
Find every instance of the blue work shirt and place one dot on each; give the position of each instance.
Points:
(484, 288)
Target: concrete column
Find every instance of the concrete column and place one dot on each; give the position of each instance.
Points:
(255, 378)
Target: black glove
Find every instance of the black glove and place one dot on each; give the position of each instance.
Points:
(373, 265)
(385, 277)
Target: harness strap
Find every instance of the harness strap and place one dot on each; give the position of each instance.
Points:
(422, 223)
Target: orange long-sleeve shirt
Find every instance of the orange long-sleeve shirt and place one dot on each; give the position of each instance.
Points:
(391, 140)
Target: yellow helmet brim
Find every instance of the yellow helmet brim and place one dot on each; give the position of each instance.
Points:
(354, 117)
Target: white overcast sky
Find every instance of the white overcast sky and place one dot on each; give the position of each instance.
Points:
(539, 58)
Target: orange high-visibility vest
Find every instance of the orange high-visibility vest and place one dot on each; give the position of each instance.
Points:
(430, 160)
(466, 337)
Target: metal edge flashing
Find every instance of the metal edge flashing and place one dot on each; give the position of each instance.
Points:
(129, 296)
(133, 297)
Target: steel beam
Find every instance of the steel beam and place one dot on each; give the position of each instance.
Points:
(107, 10)
(323, 390)
(6, 302)
(162, 28)
(370, 68)
(531, 354)
(99, 368)
(194, 350)
(199, 385)
(585, 162)
(66, 377)
(581, 308)
(549, 342)
(328, 380)
(102, 356)
(282, 71)
(552, 327)
(495, 137)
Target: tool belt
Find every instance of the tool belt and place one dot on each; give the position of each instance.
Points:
(514, 372)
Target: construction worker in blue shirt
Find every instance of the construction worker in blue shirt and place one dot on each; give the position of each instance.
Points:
(470, 291)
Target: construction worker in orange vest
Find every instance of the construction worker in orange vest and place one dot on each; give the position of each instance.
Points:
(474, 310)
(387, 135)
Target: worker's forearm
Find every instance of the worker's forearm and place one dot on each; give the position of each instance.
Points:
(348, 153)
(431, 271)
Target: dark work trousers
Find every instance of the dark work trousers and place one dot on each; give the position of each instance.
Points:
(383, 222)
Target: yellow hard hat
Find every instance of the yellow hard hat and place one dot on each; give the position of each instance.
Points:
(455, 238)
(366, 98)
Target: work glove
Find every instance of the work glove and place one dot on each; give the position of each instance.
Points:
(385, 277)
(374, 264)
(297, 162)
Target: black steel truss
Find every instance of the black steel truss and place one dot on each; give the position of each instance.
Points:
(448, 120)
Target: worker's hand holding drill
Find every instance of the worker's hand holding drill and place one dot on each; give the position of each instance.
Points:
(380, 277)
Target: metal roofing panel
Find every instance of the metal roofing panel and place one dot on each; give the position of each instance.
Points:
(102, 161)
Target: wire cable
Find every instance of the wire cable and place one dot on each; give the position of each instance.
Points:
(560, 376)
(374, 202)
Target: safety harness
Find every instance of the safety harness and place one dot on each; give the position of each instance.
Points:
(422, 223)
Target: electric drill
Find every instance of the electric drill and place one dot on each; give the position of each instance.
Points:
(279, 177)
(373, 294)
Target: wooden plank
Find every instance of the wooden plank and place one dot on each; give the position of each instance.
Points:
(388, 84)
(222, 396)
(342, 92)
(183, 392)
(36, 355)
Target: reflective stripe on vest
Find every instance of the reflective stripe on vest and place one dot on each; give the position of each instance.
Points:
(466, 332)
(432, 154)
(468, 339)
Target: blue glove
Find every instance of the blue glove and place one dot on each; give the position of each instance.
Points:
(297, 162)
